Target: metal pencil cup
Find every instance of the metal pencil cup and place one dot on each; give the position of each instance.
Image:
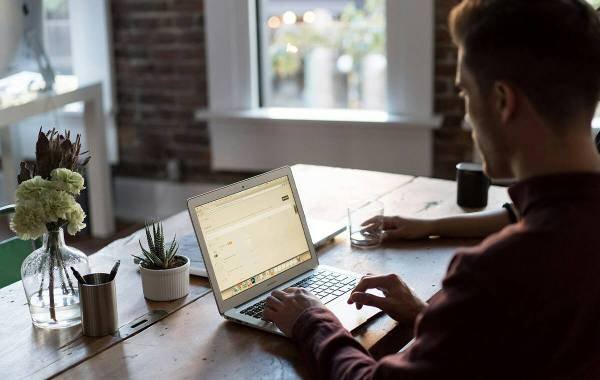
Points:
(98, 302)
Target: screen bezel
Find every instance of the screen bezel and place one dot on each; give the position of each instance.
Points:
(199, 200)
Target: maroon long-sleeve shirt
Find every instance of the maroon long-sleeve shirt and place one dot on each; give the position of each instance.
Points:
(525, 303)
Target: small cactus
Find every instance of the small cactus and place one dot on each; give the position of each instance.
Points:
(158, 256)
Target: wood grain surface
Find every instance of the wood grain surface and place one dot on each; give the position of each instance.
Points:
(325, 192)
(30, 352)
(195, 342)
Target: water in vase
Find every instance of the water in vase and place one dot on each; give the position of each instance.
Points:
(66, 309)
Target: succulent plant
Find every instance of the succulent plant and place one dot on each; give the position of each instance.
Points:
(158, 255)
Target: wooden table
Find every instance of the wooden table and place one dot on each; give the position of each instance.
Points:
(188, 338)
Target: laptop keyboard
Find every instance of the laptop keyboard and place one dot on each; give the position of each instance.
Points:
(327, 286)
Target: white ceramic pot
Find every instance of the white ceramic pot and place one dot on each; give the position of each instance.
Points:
(11, 30)
(166, 284)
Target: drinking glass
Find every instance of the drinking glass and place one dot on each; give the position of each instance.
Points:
(365, 223)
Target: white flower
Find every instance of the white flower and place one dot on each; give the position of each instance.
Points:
(75, 218)
(28, 222)
(33, 188)
(56, 205)
(40, 202)
(67, 180)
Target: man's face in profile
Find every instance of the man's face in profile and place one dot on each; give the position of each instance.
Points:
(487, 132)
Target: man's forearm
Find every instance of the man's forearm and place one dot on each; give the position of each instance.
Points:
(476, 225)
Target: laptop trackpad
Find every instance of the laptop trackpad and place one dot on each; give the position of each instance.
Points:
(348, 315)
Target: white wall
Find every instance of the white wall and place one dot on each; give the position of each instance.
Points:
(256, 147)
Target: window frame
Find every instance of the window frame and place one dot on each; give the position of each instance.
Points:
(234, 84)
(233, 56)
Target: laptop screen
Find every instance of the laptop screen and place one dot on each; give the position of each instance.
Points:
(253, 235)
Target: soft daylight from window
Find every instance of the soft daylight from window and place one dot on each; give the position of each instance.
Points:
(56, 38)
(323, 53)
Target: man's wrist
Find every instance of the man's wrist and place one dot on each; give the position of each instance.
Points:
(419, 306)
(303, 326)
(432, 226)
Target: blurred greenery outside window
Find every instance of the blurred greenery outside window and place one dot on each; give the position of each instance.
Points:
(323, 54)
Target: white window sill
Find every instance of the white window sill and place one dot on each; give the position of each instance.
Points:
(320, 117)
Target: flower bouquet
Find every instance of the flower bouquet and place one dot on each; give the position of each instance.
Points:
(45, 203)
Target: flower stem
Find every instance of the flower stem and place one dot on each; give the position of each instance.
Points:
(40, 270)
(53, 266)
(63, 268)
(51, 280)
(53, 249)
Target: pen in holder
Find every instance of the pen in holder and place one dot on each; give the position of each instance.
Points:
(98, 302)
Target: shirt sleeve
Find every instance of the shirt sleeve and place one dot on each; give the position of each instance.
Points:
(455, 337)
(329, 348)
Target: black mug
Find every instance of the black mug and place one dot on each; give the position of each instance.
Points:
(471, 185)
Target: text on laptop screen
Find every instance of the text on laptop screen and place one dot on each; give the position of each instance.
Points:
(253, 235)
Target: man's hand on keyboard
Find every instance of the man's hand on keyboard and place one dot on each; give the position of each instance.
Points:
(399, 302)
(284, 307)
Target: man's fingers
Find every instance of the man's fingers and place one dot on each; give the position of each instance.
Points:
(388, 221)
(370, 228)
(373, 220)
(278, 294)
(273, 303)
(285, 293)
(269, 313)
(369, 300)
(373, 282)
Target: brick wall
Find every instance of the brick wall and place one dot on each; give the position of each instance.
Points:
(451, 143)
(161, 79)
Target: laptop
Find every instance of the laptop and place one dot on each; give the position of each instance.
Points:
(254, 238)
(322, 232)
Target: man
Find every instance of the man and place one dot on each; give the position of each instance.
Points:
(525, 303)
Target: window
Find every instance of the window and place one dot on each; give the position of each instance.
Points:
(57, 35)
(396, 136)
(48, 23)
(323, 53)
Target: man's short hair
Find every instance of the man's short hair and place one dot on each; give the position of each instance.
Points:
(549, 49)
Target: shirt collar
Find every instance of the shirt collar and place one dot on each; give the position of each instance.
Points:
(554, 188)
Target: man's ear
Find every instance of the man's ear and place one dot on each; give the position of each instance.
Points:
(505, 100)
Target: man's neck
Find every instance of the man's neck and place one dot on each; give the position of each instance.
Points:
(551, 155)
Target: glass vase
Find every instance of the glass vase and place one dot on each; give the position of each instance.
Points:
(50, 286)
